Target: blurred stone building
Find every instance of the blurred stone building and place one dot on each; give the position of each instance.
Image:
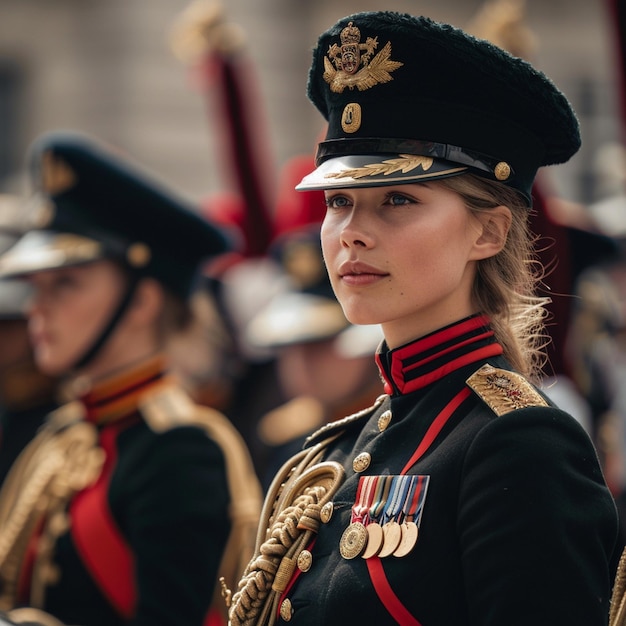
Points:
(105, 67)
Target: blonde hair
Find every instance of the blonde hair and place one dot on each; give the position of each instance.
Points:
(505, 287)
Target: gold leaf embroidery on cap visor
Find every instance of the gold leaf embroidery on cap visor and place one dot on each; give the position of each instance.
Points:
(405, 163)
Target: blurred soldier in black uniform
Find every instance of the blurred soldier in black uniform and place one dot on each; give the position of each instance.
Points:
(132, 500)
(463, 495)
(26, 394)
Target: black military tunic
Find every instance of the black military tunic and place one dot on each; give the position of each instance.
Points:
(517, 525)
(142, 543)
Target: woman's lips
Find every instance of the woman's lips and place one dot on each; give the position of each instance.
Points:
(359, 274)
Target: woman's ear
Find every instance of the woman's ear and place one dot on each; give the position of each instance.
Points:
(148, 302)
(493, 229)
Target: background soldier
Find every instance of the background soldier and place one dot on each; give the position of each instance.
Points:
(26, 394)
(134, 498)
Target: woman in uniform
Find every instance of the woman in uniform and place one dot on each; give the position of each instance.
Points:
(463, 495)
(132, 501)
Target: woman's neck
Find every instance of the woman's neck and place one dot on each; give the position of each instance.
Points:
(124, 348)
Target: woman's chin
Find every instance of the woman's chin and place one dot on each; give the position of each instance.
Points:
(50, 365)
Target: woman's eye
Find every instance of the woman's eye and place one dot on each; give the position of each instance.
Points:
(337, 202)
(64, 282)
(397, 199)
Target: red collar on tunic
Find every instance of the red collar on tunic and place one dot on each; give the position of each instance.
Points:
(428, 359)
(118, 396)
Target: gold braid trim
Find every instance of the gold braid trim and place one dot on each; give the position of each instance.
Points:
(290, 519)
(617, 613)
(61, 460)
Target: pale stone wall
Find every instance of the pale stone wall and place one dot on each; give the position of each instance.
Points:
(104, 66)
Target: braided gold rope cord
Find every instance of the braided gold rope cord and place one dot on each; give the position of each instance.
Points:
(272, 569)
(296, 520)
(276, 490)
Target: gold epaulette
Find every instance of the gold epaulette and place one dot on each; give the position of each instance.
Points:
(504, 391)
(166, 408)
(333, 427)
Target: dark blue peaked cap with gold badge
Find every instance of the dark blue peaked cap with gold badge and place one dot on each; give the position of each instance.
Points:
(409, 99)
(90, 203)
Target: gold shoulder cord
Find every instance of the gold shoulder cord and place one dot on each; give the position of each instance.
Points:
(61, 460)
(289, 521)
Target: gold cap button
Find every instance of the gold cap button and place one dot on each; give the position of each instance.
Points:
(383, 420)
(327, 512)
(286, 611)
(305, 560)
(138, 255)
(502, 170)
(361, 462)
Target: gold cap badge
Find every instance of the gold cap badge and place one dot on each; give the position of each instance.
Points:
(349, 64)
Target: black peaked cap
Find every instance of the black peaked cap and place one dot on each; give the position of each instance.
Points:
(395, 84)
(87, 189)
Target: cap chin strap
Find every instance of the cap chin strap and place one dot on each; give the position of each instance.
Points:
(119, 312)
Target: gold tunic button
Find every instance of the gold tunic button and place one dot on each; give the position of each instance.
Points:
(327, 512)
(286, 611)
(383, 420)
(361, 462)
(305, 560)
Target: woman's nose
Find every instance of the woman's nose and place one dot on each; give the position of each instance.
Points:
(354, 231)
